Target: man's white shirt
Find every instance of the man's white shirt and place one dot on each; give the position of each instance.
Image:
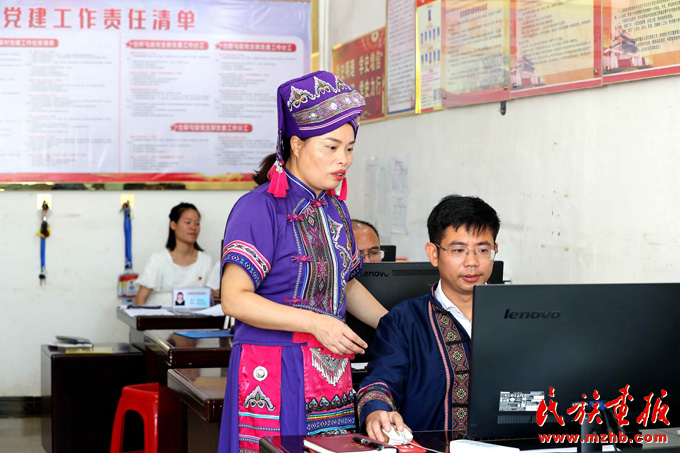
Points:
(451, 308)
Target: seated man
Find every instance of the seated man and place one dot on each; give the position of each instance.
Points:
(419, 374)
(367, 240)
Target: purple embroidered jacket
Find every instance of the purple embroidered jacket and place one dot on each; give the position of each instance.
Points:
(299, 251)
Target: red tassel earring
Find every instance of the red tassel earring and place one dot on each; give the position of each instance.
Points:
(278, 185)
(343, 190)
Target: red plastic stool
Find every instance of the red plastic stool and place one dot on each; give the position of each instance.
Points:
(143, 399)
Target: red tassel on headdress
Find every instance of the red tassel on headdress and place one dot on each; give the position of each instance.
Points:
(278, 185)
(343, 190)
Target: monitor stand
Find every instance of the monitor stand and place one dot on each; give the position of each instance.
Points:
(609, 427)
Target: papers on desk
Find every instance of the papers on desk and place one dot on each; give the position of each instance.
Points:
(66, 345)
(470, 446)
(473, 446)
(215, 310)
(204, 333)
(133, 312)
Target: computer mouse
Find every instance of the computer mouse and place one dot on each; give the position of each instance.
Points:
(395, 437)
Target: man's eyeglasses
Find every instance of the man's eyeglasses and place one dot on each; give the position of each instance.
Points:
(373, 254)
(460, 253)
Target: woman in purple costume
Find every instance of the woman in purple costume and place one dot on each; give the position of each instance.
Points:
(288, 268)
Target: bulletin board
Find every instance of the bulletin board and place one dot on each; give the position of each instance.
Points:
(361, 64)
(555, 46)
(104, 91)
(641, 39)
(476, 52)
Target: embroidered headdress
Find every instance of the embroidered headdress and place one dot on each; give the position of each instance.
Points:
(313, 105)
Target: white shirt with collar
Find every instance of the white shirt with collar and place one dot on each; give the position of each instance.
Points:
(451, 308)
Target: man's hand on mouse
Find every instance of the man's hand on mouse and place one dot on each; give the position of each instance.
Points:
(379, 420)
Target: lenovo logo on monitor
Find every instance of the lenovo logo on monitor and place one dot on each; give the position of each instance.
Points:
(366, 274)
(531, 314)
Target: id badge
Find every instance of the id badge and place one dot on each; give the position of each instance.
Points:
(126, 287)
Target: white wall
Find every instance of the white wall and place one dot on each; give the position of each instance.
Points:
(84, 254)
(586, 184)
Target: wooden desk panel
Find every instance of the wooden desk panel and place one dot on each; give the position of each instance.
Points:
(166, 350)
(435, 440)
(440, 441)
(178, 351)
(201, 391)
(80, 393)
(139, 324)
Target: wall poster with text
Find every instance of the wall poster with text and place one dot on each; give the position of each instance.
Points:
(476, 52)
(555, 46)
(640, 38)
(147, 91)
(429, 58)
(400, 71)
(361, 64)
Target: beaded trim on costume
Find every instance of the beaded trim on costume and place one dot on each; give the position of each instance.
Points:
(319, 290)
(332, 369)
(299, 97)
(324, 405)
(329, 108)
(378, 391)
(455, 352)
(249, 258)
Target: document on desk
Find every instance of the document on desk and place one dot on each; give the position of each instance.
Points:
(215, 310)
(148, 312)
(567, 449)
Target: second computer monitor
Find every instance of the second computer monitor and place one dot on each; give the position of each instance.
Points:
(392, 282)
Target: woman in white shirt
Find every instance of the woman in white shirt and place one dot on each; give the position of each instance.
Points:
(182, 264)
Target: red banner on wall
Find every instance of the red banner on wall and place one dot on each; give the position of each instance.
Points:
(361, 63)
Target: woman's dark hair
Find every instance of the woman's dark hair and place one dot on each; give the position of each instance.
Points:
(456, 211)
(175, 214)
(260, 176)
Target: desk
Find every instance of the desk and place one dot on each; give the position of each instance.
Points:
(138, 324)
(436, 440)
(80, 394)
(201, 391)
(166, 350)
(440, 440)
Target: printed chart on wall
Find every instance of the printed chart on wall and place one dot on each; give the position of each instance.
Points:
(641, 38)
(361, 63)
(401, 57)
(429, 60)
(107, 91)
(556, 46)
(476, 52)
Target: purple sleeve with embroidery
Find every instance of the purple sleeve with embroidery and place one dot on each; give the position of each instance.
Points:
(249, 236)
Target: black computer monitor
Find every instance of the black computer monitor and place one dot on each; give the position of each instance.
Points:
(389, 252)
(577, 339)
(392, 282)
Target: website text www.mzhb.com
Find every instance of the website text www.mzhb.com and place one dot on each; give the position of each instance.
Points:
(608, 438)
